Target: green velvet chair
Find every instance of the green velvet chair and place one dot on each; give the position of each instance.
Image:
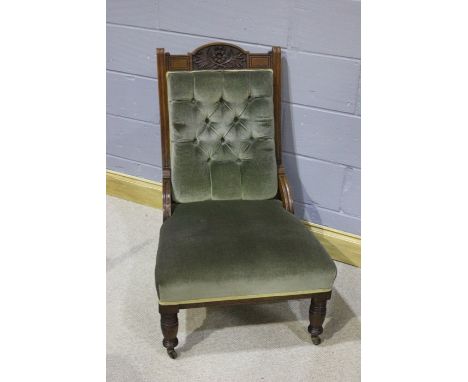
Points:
(229, 234)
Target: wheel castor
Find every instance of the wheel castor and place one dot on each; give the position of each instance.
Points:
(172, 353)
(316, 340)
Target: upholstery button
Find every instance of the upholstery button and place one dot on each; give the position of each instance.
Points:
(238, 161)
(195, 141)
(209, 159)
(223, 141)
(207, 120)
(236, 118)
(193, 100)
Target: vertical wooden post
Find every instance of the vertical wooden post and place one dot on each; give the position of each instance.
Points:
(164, 117)
(276, 60)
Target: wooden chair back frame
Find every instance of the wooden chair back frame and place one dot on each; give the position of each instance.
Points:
(219, 56)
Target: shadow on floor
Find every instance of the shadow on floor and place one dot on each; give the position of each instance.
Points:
(201, 323)
(112, 262)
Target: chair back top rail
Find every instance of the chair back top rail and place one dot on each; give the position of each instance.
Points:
(219, 56)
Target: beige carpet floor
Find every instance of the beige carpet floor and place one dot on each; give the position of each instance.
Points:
(267, 342)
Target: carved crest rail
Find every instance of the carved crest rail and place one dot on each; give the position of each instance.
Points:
(219, 56)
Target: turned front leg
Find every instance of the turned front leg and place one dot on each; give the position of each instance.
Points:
(169, 327)
(317, 312)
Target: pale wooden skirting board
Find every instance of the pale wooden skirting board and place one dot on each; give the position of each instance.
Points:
(138, 190)
(341, 246)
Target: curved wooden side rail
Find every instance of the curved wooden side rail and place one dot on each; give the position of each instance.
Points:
(166, 194)
(284, 190)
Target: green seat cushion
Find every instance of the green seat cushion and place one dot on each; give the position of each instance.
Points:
(221, 250)
(221, 125)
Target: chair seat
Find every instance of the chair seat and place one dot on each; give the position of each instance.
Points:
(239, 249)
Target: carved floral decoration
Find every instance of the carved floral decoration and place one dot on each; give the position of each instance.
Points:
(219, 57)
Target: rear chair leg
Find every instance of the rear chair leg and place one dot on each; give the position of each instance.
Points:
(169, 327)
(317, 312)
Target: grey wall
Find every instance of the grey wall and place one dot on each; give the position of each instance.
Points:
(321, 87)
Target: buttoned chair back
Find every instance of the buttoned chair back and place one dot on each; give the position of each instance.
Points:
(221, 131)
(221, 125)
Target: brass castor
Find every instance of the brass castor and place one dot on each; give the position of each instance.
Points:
(316, 340)
(170, 345)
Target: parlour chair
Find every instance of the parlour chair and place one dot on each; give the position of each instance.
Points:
(229, 234)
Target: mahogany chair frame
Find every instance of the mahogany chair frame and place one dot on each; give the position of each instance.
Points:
(220, 56)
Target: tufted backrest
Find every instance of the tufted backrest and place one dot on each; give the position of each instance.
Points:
(221, 126)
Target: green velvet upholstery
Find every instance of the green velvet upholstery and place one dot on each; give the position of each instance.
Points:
(222, 135)
(215, 250)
